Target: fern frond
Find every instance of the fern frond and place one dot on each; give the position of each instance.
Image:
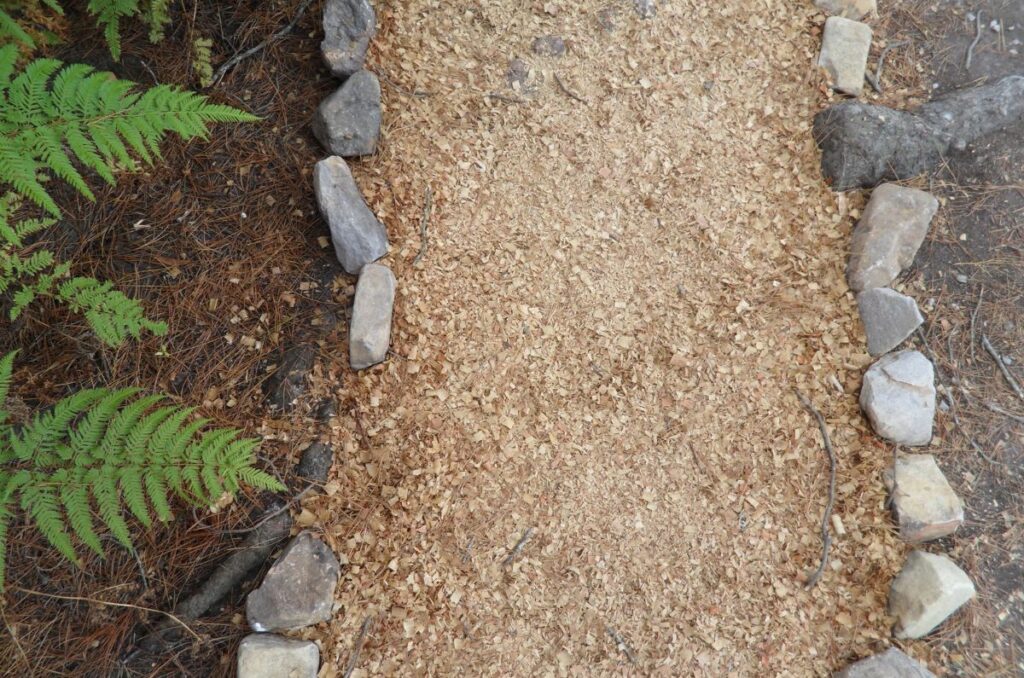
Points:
(101, 453)
(108, 15)
(6, 369)
(112, 315)
(11, 30)
(56, 117)
(157, 14)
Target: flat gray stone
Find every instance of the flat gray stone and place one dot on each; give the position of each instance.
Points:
(298, 590)
(358, 237)
(844, 54)
(288, 383)
(645, 9)
(898, 397)
(890, 664)
(370, 334)
(848, 9)
(888, 318)
(265, 655)
(349, 25)
(549, 45)
(315, 464)
(888, 235)
(926, 592)
(347, 123)
(925, 505)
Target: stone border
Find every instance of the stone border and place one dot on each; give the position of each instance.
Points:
(298, 590)
(898, 393)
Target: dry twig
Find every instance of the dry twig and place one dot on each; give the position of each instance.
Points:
(974, 320)
(242, 56)
(428, 199)
(991, 350)
(876, 80)
(518, 548)
(826, 519)
(506, 99)
(974, 43)
(94, 601)
(358, 647)
(621, 644)
(568, 92)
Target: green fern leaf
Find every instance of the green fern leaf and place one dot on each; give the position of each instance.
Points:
(108, 500)
(156, 489)
(44, 508)
(75, 497)
(134, 494)
(54, 116)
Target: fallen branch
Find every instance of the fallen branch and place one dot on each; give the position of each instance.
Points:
(826, 519)
(998, 410)
(974, 43)
(876, 80)
(518, 548)
(358, 647)
(424, 223)
(502, 97)
(621, 644)
(991, 350)
(974, 320)
(238, 58)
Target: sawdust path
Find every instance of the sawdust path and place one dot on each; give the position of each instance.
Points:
(601, 345)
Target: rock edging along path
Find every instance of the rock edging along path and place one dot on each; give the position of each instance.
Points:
(862, 145)
(299, 589)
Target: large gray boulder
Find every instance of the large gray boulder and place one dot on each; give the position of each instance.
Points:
(298, 590)
(888, 318)
(358, 237)
(863, 145)
(888, 235)
(890, 664)
(925, 505)
(265, 655)
(347, 123)
(349, 25)
(898, 397)
(370, 333)
(844, 54)
(926, 592)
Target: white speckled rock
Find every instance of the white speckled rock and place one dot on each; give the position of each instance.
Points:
(264, 655)
(925, 505)
(898, 397)
(926, 592)
(370, 333)
(844, 53)
(358, 237)
(888, 318)
(849, 9)
(888, 235)
(890, 664)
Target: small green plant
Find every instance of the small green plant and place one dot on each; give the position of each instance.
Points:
(202, 55)
(112, 451)
(53, 115)
(16, 17)
(112, 315)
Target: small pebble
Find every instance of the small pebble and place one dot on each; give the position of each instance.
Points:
(961, 278)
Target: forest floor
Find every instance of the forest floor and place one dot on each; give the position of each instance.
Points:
(586, 455)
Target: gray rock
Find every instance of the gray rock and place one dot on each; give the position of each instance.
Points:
(518, 73)
(888, 235)
(358, 237)
(288, 383)
(898, 397)
(844, 53)
(645, 9)
(890, 664)
(863, 144)
(298, 590)
(925, 505)
(347, 123)
(349, 25)
(888, 317)
(370, 334)
(348, 28)
(315, 464)
(926, 592)
(549, 45)
(849, 9)
(264, 655)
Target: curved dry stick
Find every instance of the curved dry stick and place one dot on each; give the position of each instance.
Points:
(826, 518)
(235, 60)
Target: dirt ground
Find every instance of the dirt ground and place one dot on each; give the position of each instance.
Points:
(585, 455)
